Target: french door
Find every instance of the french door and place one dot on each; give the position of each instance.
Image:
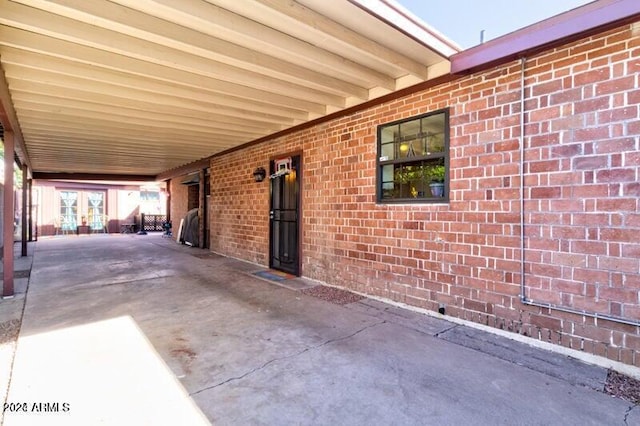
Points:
(82, 207)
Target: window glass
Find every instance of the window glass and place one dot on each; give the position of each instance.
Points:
(95, 210)
(413, 159)
(68, 210)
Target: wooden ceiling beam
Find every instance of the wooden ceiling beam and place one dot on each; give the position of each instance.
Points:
(81, 34)
(114, 17)
(37, 43)
(38, 123)
(172, 115)
(39, 142)
(184, 169)
(133, 122)
(225, 25)
(53, 65)
(316, 23)
(93, 176)
(116, 141)
(29, 101)
(140, 100)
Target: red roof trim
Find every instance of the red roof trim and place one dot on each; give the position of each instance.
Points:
(561, 29)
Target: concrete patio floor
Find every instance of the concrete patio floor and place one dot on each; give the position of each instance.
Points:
(137, 330)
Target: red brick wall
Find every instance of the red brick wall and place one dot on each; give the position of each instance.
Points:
(239, 206)
(583, 185)
(582, 173)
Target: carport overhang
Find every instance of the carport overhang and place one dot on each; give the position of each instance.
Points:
(150, 89)
(143, 87)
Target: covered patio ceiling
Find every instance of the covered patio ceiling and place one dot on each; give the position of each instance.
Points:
(141, 87)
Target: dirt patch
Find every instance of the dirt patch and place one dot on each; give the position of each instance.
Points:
(9, 331)
(333, 295)
(185, 357)
(623, 387)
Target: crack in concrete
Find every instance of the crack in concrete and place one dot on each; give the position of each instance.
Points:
(305, 350)
(629, 410)
(438, 334)
(93, 285)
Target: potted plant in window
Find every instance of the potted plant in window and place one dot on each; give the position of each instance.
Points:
(405, 177)
(437, 175)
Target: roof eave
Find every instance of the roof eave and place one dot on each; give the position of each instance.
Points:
(396, 16)
(561, 29)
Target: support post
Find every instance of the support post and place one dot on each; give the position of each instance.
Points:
(24, 222)
(142, 231)
(30, 208)
(168, 188)
(8, 219)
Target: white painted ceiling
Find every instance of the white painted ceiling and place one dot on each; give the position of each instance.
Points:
(144, 86)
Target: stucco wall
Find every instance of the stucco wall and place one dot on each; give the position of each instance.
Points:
(581, 211)
(179, 201)
(121, 204)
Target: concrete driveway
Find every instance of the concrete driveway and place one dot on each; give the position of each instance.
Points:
(128, 329)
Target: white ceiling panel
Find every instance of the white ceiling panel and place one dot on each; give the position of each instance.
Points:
(144, 86)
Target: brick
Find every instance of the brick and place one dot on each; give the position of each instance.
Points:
(566, 286)
(610, 146)
(592, 105)
(631, 189)
(548, 192)
(477, 306)
(633, 96)
(568, 232)
(617, 204)
(632, 342)
(619, 295)
(544, 166)
(623, 235)
(616, 175)
(546, 88)
(590, 163)
(592, 76)
(590, 191)
(592, 133)
(569, 259)
(607, 51)
(615, 86)
(566, 96)
(544, 114)
(546, 322)
(589, 247)
(619, 264)
(619, 114)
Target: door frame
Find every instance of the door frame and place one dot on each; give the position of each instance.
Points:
(299, 174)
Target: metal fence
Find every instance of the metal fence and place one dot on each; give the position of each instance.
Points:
(153, 222)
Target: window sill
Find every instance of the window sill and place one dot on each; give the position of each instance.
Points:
(413, 202)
